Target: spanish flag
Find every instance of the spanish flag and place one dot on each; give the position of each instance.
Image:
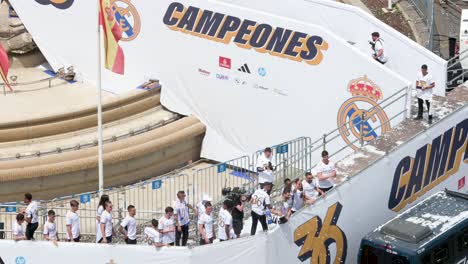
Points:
(114, 55)
(4, 66)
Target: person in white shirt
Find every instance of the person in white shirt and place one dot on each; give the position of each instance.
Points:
(206, 225)
(260, 201)
(424, 86)
(100, 209)
(182, 218)
(72, 220)
(17, 232)
(128, 227)
(225, 221)
(50, 228)
(378, 50)
(152, 235)
(265, 167)
(311, 189)
(325, 172)
(107, 228)
(286, 205)
(167, 227)
(31, 216)
(297, 196)
(201, 206)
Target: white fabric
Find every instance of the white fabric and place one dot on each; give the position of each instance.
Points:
(182, 211)
(310, 188)
(166, 225)
(131, 225)
(152, 235)
(17, 230)
(31, 212)
(377, 47)
(201, 210)
(51, 230)
(286, 205)
(224, 218)
(325, 169)
(106, 218)
(424, 81)
(298, 201)
(98, 223)
(72, 219)
(266, 175)
(260, 199)
(208, 222)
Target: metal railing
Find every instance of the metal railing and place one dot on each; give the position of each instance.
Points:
(151, 197)
(455, 72)
(14, 82)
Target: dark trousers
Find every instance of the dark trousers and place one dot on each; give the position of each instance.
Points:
(75, 239)
(183, 234)
(255, 219)
(421, 107)
(202, 241)
(109, 240)
(130, 241)
(30, 229)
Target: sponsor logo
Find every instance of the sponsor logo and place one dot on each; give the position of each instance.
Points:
(257, 86)
(128, 18)
(315, 237)
(245, 33)
(363, 104)
(461, 183)
(20, 260)
(244, 68)
(262, 72)
(432, 164)
(239, 81)
(224, 62)
(222, 77)
(60, 4)
(204, 72)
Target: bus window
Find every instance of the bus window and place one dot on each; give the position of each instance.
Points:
(399, 260)
(371, 255)
(441, 255)
(463, 241)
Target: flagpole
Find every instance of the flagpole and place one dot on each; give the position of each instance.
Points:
(100, 161)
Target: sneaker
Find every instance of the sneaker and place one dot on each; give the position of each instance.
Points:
(418, 118)
(430, 120)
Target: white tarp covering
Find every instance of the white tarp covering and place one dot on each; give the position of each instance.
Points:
(348, 213)
(275, 88)
(356, 25)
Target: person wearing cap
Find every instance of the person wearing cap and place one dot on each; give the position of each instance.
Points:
(377, 48)
(424, 85)
(265, 167)
(201, 206)
(260, 201)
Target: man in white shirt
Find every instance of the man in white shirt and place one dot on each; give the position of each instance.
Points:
(31, 216)
(201, 206)
(424, 86)
(17, 232)
(310, 189)
(50, 228)
(265, 167)
(225, 221)
(377, 47)
(167, 227)
(152, 235)
(325, 172)
(206, 225)
(107, 228)
(260, 201)
(182, 218)
(128, 227)
(72, 220)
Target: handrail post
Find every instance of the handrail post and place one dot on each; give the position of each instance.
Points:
(324, 141)
(361, 128)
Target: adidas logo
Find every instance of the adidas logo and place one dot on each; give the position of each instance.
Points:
(244, 68)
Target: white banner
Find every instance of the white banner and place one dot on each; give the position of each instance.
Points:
(407, 175)
(253, 78)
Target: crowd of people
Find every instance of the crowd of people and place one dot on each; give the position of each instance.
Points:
(172, 229)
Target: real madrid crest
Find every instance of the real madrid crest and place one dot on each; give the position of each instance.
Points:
(128, 18)
(363, 103)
